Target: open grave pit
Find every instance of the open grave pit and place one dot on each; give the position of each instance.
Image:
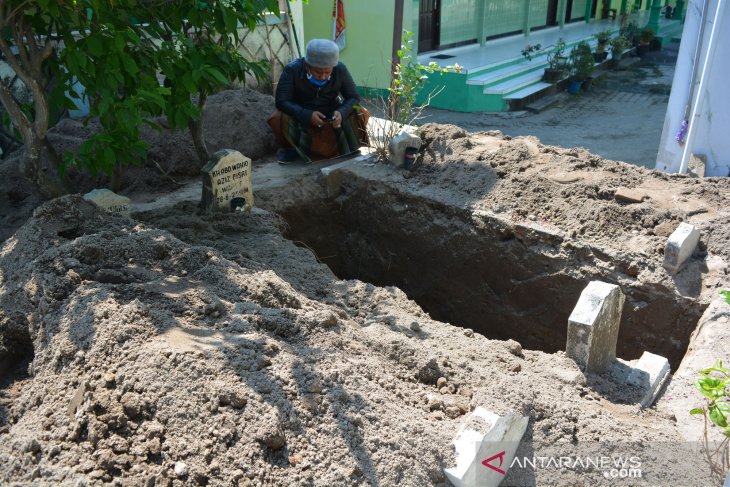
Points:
(178, 348)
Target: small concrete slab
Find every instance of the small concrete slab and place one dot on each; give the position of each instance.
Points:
(485, 447)
(397, 147)
(680, 246)
(110, 201)
(227, 182)
(696, 165)
(544, 103)
(627, 62)
(629, 195)
(650, 373)
(593, 326)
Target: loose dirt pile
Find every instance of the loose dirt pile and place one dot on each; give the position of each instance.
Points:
(579, 194)
(179, 349)
(233, 119)
(222, 353)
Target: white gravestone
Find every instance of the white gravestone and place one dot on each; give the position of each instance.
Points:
(593, 326)
(485, 446)
(227, 184)
(110, 201)
(680, 246)
(650, 373)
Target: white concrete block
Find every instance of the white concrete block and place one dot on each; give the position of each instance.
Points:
(110, 201)
(593, 326)
(398, 146)
(680, 246)
(485, 447)
(650, 373)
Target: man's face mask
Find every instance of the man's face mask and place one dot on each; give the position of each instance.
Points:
(317, 82)
(318, 76)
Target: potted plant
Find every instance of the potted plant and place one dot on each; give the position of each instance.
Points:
(631, 32)
(531, 50)
(618, 44)
(602, 37)
(645, 38)
(557, 63)
(581, 66)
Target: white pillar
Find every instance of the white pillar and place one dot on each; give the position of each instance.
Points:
(709, 115)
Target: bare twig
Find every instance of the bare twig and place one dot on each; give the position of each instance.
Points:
(166, 173)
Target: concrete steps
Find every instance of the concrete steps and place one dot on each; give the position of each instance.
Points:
(511, 83)
(518, 81)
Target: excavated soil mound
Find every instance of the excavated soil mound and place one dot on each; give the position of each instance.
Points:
(233, 119)
(574, 191)
(194, 350)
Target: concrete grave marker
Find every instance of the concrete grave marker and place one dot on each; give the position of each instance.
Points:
(110, 201)
(679, 247)
(399, 144)
(227, 182)
(484, 456)
(650, 373)
(593, 326)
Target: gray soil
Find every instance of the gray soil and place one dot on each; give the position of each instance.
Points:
(183, 349)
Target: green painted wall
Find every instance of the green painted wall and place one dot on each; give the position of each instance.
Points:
(369, 35)
(458, 22)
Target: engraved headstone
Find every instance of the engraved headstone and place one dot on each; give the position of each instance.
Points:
(227, 182)
(110, 201)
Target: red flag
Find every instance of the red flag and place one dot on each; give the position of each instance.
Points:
(338, 28)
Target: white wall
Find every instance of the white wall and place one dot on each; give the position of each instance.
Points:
(709, 130)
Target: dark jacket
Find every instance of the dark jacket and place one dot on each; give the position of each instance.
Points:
(299, 98)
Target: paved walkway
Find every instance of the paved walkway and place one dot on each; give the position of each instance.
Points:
(621, 118)
(473, 57)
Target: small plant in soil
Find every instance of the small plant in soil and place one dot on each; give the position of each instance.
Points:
(714, 385)
(400, 108)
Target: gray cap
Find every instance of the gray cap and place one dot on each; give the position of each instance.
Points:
(322, 53)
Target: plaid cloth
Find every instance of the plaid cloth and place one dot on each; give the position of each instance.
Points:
(321, 142)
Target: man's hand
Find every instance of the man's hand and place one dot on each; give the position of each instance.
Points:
(336, 119)
(318, 119)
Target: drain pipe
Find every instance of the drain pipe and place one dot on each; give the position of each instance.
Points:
(682, 134)
(699, 96)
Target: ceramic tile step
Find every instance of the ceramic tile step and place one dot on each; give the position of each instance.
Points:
(541, 104)
(514, 84)
(507, 72)
(527, 91)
